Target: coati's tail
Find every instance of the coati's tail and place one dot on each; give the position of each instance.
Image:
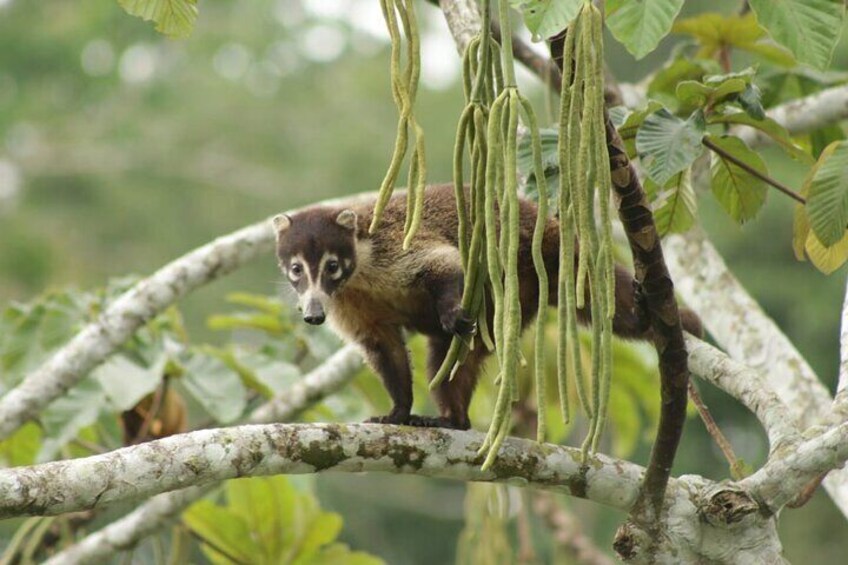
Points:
(628, 321)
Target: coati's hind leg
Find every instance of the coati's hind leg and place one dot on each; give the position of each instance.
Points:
(386, 352)
(453, 395)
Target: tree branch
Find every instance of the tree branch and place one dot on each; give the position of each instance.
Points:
(750, 337)
(157, 512)
(746, 385)
(123, 317)
(204, 456)
(782, 478)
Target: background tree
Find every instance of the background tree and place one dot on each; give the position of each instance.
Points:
(89, 107)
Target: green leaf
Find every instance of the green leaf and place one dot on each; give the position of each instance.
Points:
(172, 17)
(63, 419)
(663, 85)
(268, 505)
(125, 382)
(827, 259)
(714, 32)
(810, 29)
(630, 126)
(751, 101)
(214, 386)
(827, 204)
(739, 192)
(768, 126)
(675, 205)
(640, 25)
(546, 18)
(668, 145)
(21, 447)
(223, 529)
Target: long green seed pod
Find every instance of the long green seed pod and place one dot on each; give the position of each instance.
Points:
(459, 184)
(404, 90)
(565, 310)
(512, 318)
(539, 264)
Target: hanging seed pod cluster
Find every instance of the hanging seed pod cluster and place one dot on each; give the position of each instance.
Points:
(489, 216)
(585, 179)
(404, 81)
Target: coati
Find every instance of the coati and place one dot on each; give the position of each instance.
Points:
(371, 291)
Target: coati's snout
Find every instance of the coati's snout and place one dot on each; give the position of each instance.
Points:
(316, 250)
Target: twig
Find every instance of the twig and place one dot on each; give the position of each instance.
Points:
(736, 470)
(752, 171)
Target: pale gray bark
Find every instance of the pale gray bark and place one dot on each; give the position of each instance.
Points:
(157, 512)
(750, 337)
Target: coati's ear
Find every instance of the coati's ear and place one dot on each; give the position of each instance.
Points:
(347, 219)
(281, 222)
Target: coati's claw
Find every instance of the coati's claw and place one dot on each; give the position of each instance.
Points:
(459, 322)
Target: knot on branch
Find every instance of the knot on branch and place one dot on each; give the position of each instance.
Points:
(729, 506)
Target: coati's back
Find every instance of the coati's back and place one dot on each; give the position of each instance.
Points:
(371, 289)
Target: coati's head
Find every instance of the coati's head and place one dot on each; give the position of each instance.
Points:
(316, 250)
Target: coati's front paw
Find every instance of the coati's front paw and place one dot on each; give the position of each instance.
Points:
(459, 322)
(396, 417)
(437, 422)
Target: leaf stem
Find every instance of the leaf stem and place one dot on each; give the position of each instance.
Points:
(752, 171)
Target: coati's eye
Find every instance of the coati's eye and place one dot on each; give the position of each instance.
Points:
(332, 266)
(296, 270)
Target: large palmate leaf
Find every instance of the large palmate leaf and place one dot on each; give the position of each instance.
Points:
(668, 145)
(740, 193)
(675, 205)
(827, 204)
(546, 18)
(641, 25)
(808, 28)
(268, 521)
(172, 17)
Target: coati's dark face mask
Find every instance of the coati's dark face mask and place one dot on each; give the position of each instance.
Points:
(316, 251)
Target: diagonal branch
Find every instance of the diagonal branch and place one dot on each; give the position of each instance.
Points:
(156, 513)
(97, 341)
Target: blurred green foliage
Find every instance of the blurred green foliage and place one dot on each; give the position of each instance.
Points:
(121, 149)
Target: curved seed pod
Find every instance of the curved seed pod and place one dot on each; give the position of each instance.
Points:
(539, 264)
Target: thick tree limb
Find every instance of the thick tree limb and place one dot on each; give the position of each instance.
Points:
(157, 512)
(97, 341)
(706, 520)
(205, 456)
(749, 336)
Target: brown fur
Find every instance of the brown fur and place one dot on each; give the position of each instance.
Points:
(419, 289)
